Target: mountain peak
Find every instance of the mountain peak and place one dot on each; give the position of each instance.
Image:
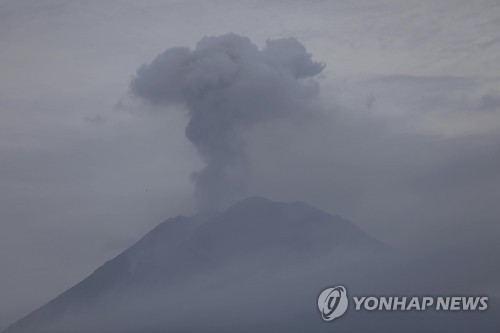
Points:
(259, 204)
(253, 203)
(253, 235)
(254, 200)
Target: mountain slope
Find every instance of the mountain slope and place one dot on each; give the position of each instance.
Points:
(256, 267)
(254, 234)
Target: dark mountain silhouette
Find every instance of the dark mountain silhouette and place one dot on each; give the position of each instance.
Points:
(256, 267)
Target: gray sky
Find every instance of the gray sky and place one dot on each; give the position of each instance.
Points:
(407, 143)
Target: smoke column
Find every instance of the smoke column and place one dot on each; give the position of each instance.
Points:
(228, 85)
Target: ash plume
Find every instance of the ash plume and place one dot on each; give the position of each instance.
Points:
(227, 85)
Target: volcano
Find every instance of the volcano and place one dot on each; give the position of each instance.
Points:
(258, 266)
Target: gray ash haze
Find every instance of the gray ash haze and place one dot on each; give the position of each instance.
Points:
(399, 133)
(227, 85)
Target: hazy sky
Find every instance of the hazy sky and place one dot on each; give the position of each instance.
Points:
(406, 143)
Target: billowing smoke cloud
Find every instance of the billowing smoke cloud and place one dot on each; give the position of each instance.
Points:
(228, 85)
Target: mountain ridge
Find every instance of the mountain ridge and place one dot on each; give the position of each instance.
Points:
(253, 235)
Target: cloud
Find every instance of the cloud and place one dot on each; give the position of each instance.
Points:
(227, 86)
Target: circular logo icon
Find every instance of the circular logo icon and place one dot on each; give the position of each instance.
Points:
(332, 303)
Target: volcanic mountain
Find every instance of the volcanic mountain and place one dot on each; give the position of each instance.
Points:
(256, 267)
